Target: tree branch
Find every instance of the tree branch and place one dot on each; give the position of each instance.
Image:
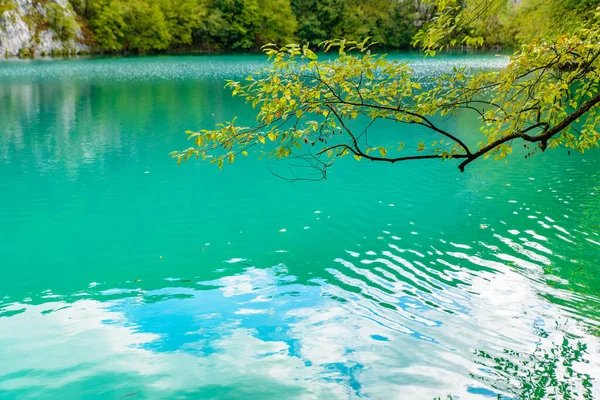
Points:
(542, 138)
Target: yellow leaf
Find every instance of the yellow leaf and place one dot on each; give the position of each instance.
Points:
(261, 139)
(245, 153)
(309, 53)
(382, 151)
(272, 136)
(358, 158)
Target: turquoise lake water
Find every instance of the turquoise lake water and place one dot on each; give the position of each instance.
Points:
(125, 276)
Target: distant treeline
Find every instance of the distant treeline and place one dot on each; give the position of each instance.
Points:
(522, 20)
(234, 25)
(225, 25)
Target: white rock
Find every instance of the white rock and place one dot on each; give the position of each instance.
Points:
(16, 35)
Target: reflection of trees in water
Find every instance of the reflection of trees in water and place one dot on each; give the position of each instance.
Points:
(548, 372)
(53, 123)
(590, 228)
(15, 101)
(72, 123)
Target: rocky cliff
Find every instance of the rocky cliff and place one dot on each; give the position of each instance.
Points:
(39, 27)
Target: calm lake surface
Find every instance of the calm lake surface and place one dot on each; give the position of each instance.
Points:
(123, 275)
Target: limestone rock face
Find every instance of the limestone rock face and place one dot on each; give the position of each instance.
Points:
(29, 27)
(14, 33)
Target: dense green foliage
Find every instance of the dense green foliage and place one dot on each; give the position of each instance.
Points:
(142, 25)
(508, 23)
(245, 24)
(232, 25)
(63, 24)
(391, 23)
(213, 25)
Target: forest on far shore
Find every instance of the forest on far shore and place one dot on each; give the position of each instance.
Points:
(119, 26)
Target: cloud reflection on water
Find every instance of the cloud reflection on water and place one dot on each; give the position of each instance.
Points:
(251, 334)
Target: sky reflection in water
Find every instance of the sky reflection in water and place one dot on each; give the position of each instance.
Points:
(261, 333)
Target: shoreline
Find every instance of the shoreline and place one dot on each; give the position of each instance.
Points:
(100, 54)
